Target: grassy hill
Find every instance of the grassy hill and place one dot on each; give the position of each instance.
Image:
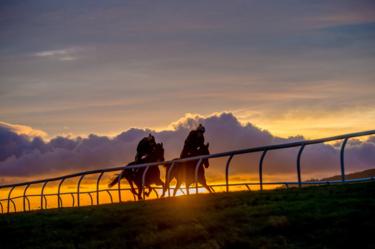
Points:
(341, 216)
(355, 175)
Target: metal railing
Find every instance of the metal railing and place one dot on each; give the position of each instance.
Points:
(10, 201)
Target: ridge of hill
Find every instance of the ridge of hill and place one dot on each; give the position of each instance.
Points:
(360, 174)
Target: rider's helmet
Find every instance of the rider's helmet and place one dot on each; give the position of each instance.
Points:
(201, 128)
(150, 138)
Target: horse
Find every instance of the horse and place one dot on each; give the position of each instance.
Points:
(185, 171)
(134, 175)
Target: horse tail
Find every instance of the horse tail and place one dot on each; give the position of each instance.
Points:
(118, 177)
(114, 180)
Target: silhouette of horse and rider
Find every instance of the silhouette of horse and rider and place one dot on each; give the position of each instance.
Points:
(148, 151)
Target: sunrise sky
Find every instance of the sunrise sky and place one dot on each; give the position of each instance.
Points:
(292, 67)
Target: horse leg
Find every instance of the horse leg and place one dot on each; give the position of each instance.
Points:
(204, 184)
(165, 188)
(178, 185)
(168, 181)
(140, 191)
(132, 189)
(166, 184)
(149, 191)
(159, 182)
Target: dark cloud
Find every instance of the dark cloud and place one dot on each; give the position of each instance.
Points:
(12, 144)
(22, 156)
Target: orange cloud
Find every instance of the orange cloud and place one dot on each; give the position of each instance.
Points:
(24, 130)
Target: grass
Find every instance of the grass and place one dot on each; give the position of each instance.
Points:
(341, 216)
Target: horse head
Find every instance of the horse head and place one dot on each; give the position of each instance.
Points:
(203, 150)
(159, 152)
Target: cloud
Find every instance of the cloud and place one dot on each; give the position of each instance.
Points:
(305, 59)
(59, 54)
(21, 155)
(23, 130)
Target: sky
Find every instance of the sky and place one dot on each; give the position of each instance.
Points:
(290, 68)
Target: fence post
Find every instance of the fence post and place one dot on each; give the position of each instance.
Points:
(9, 194)
(45, 200)
(227, 172)
(78, 187)
(59, 200)
(97, 187)
(299, 165)
(342, 151)
(91, 199)
(196, 175)
(110, 196)
(28, 203)
(24, 197)
(72, 195)
(119, 186)
(169, 177)
(42, 196)
(261, 169)
(14, 205)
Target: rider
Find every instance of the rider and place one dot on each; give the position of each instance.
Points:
(145, 147)
(194, 140)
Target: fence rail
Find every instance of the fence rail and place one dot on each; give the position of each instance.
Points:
(9, 200)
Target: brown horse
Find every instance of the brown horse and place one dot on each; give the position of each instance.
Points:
(134, 175)
(185, 171)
